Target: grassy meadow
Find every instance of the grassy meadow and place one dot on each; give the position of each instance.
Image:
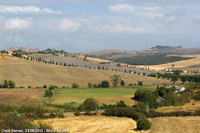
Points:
(103, 95)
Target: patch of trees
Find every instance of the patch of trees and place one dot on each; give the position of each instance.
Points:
(57, 52)
(8, 84)
(49, 92)
(163, 97)
(175, 76)
(155, 59)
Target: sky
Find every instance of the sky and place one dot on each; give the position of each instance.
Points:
(91, 25)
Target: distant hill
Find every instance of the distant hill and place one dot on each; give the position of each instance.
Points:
(33, 73)
(111, 54)
(24, 49)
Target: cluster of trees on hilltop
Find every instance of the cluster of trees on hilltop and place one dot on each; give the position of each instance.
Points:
(150, 59)
(57, 52)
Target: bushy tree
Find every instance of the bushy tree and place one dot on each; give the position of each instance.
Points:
(48, 93)
(140, 82)
(53, 87)
(105, 84)
(89, 104)
(183, 79)
(174, 78)
(122, 83)
(11, 84)
(115, 79)
(90, 85)
(95, 85)
(143, 124)
(75, 85)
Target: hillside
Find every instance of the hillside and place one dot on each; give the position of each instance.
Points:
(186, 65)
(25, 49)
(32, 73)
(93, 63)
(115, 54)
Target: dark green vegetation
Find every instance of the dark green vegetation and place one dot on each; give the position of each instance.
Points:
(143, 124)
(20, 117)
(175, 76)
(8, 84)
(165, 96)
(150, 59)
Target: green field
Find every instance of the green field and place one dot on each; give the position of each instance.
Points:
(103, 95)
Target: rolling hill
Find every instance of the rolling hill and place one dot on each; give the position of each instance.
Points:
(30, 73)
(112, 54)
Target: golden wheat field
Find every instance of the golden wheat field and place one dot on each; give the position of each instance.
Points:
(99, 124)
(36, 74)
(94, 124)
(189, 124)
(21, 96)
(186, 65)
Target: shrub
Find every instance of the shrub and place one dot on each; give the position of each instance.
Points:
(44, 126)
(122, 83)
(16, 121)
(53, 87)
(89, 104)
(45, 86)
(143, 124)
(95, 85)
(140, 82)
(121, 104)
(90, 85)
(88, 112)
(11, 84)
(75, 85)
(105, 84)
(60, 114)
(48, 93)
(72, 106)
(77, 113)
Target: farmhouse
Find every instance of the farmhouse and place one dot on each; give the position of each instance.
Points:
(179, 89)
(9, 52)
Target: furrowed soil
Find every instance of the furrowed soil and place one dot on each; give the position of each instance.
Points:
(21, 96)
(175, 125)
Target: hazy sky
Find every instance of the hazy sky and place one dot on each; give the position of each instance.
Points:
(89, 25)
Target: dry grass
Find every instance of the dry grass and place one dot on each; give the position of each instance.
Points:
(186, 107)
(175, 125)
(32, 73)
(4, 58)
(21, 96)
(94, 124)
(186, 65)
(97, 60)
(102, 124)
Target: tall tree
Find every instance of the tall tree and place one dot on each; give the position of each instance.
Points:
(115, 79)
(174, 78)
